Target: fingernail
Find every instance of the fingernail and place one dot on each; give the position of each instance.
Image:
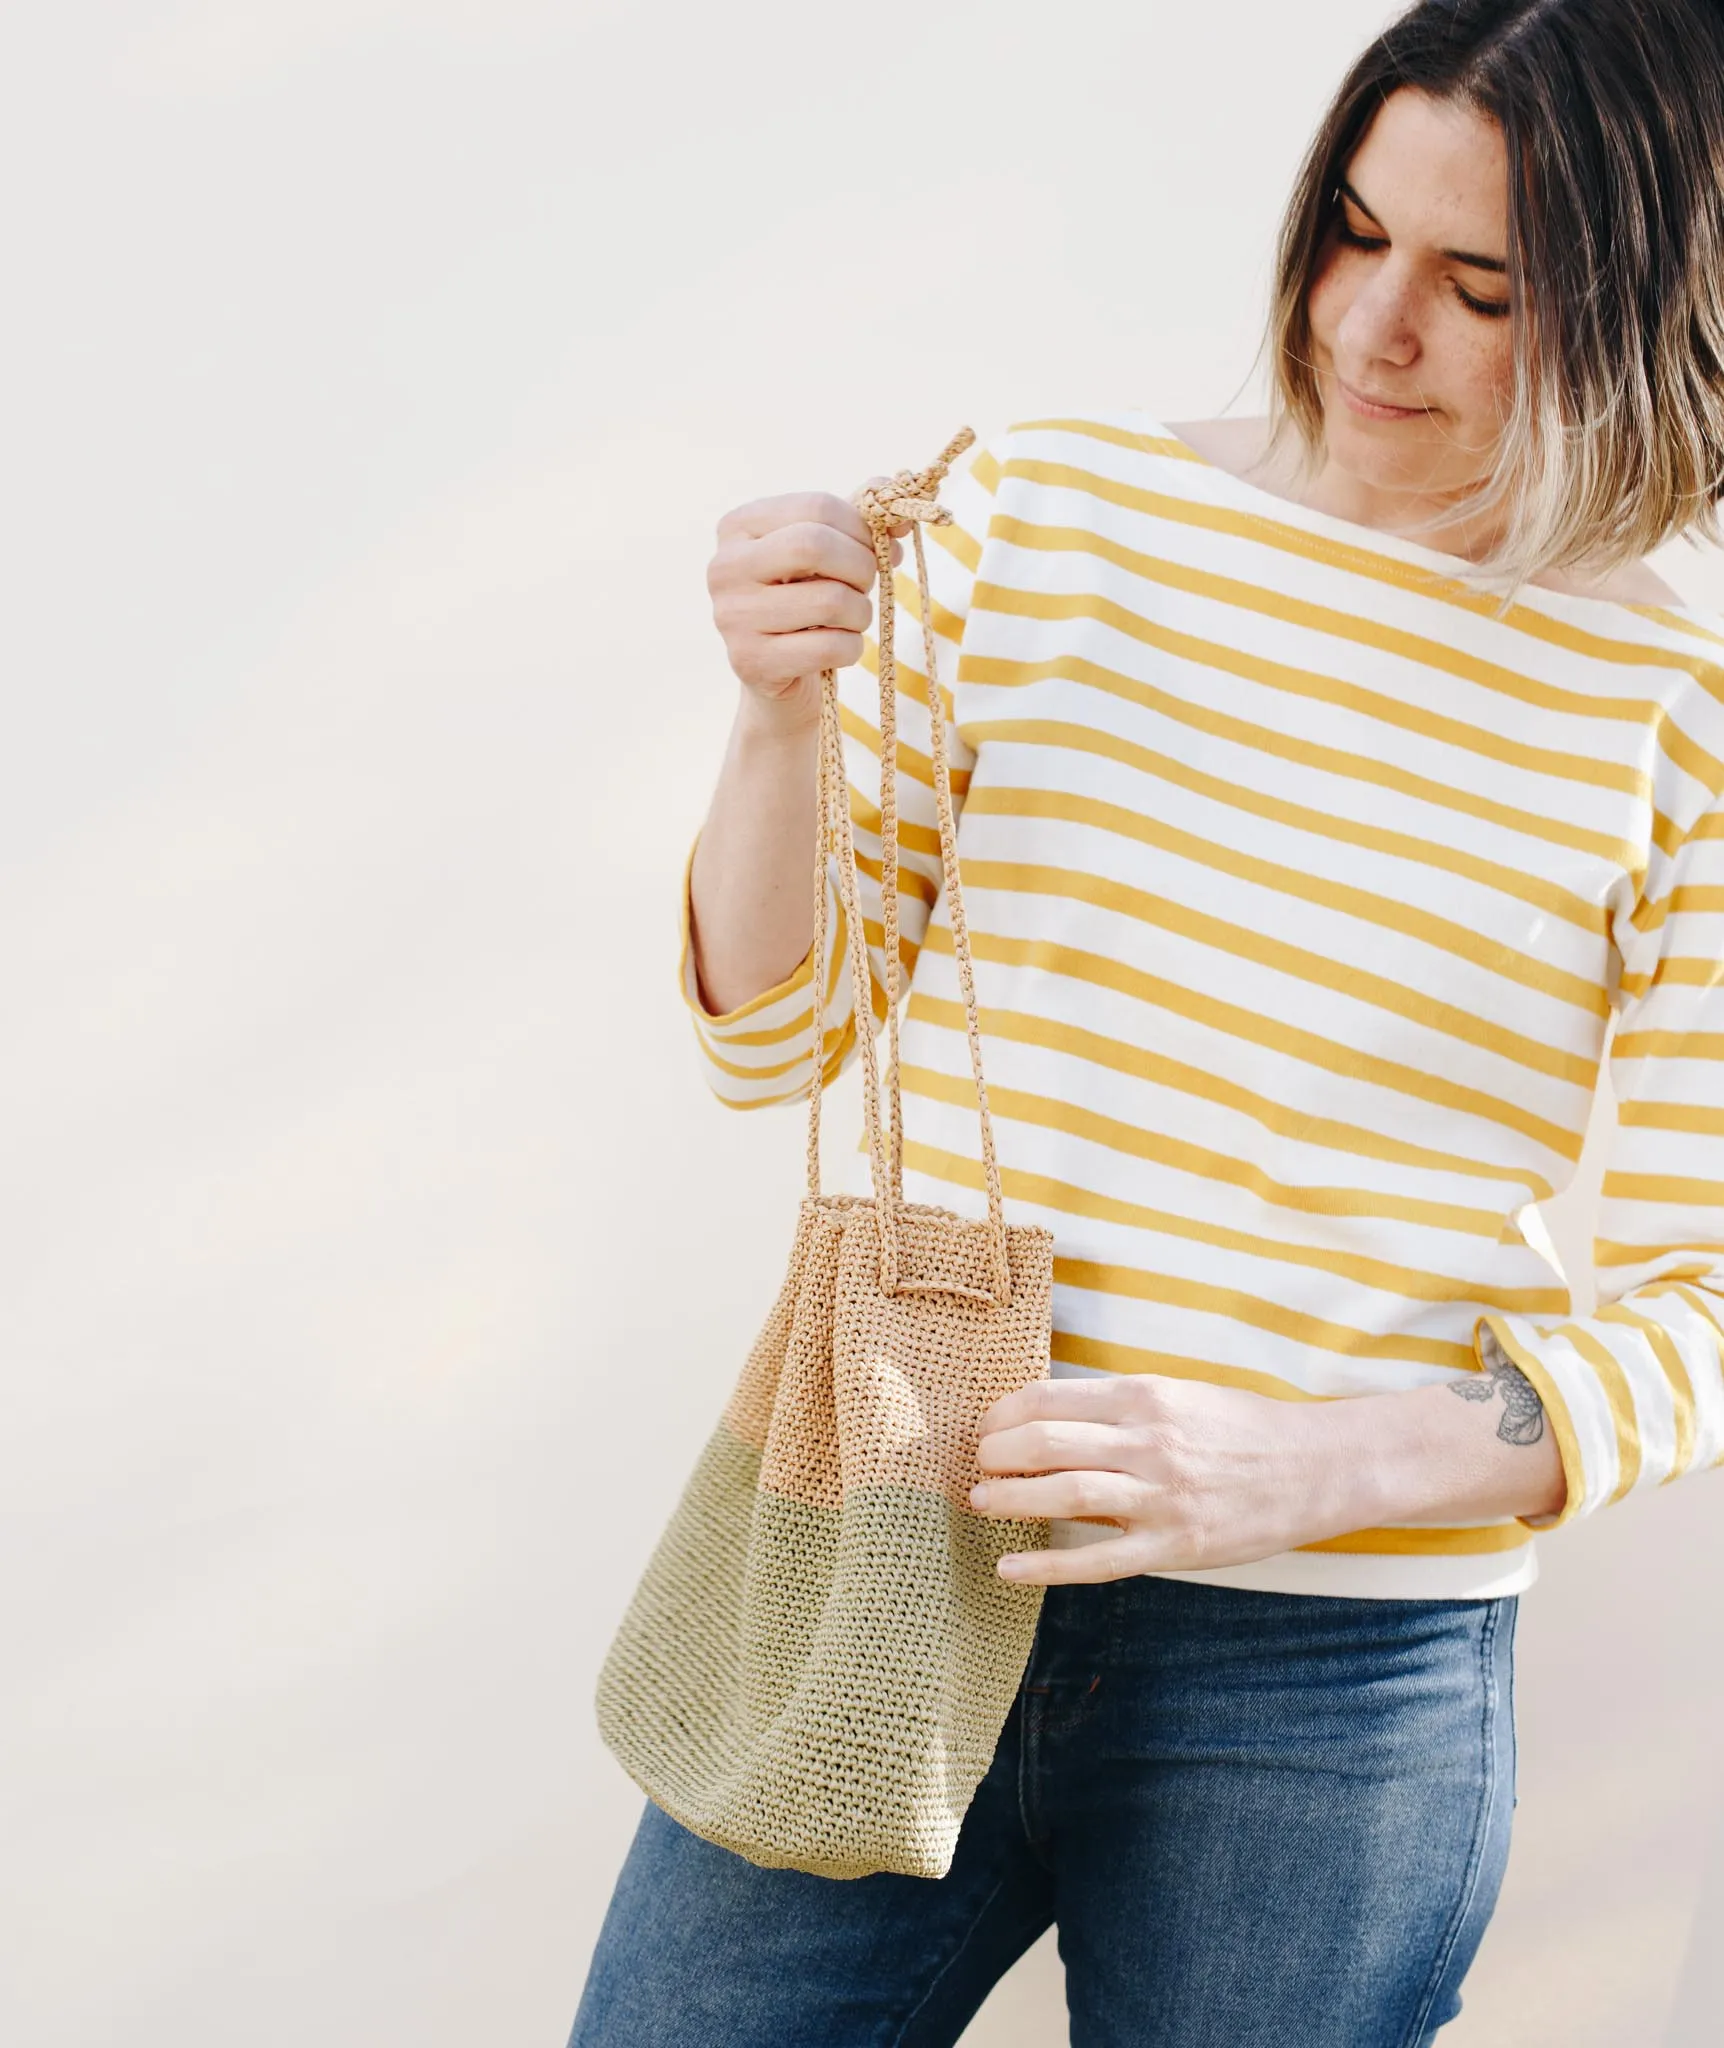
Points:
(978, 1496)
(1012, 1567)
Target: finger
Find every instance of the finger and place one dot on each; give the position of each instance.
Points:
(1102, 1398)
(799, 508)
(774, 658)
(1071, 1496)
(1088, 1564)
(795, 607)
(806, 550)
(1053, 1447)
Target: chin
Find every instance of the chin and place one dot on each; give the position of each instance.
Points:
(1375, 451)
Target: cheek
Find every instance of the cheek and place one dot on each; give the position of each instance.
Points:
(1482, 365)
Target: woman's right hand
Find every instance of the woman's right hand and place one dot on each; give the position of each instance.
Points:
(791, 588)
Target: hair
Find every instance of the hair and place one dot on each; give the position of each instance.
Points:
(1612, 113)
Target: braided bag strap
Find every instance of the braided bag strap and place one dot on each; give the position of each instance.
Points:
(909, 498)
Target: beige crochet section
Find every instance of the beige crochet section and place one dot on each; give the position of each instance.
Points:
(819, 1659)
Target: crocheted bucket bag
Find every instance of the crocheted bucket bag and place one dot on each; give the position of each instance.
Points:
(820, 1656)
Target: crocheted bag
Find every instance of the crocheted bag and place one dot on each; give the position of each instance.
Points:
(818, 1662)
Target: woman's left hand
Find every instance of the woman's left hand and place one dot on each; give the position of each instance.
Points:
(1194, 1475)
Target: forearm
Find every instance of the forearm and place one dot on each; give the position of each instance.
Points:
(751, 880)
(1428, 1456)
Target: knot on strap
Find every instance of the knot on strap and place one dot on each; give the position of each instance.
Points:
(909, 497)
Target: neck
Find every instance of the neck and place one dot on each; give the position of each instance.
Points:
(1399, 509)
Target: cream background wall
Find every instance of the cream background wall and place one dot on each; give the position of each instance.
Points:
(374, 1261)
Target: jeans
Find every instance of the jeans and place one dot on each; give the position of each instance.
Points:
(1259, 1820)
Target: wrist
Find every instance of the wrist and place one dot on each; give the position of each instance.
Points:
(1362, 1469)
(1422, 1456)
(787, 722)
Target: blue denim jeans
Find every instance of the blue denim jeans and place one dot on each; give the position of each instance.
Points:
(1259, 1820)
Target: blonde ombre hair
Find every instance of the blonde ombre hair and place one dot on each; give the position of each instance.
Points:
(1612, 112)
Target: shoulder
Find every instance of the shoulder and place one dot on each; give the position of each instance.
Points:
(1634, 583)
(1242, 447)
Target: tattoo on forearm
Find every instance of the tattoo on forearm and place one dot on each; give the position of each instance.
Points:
(1523, 1412)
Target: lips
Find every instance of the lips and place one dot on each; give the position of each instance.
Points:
(1367, 398)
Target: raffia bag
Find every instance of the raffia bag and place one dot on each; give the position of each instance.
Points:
(818, 1662)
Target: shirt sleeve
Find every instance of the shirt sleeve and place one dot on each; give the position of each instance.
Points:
(761, 1053)
(1635, 1391)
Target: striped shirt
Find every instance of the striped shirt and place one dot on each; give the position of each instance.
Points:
(1308, 897)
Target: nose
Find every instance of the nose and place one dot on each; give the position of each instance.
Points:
(1381, 323)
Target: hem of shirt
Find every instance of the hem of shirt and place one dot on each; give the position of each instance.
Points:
(1347, 1575)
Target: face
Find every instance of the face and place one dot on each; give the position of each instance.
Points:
(1409, 300)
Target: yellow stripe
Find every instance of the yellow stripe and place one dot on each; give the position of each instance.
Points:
(912, 684)
(1063, 607)
(1121, 437)
(1297, 816)
(1137, 1283)
(920, 888)
(1663, 1187)
(800, 1026)
(1679, 624)
(1044, 956)
(1496, 1537)
(1444, 934)
(1704, 1303)
(1667, 1045)
(1409, 1282)
(800, 977)
(908, 599)
(1618, 1397)
(798, 1090)
(1676, 971)
(1330, 1133)
(1178, 1155)
(1697, 1299)
(912, 838)
(1692, 1117)
(1390, 569)
(1340, 762)
(1361, 628)
(771, 1073)
(1692, 899)
(1299, 963)
(1682, 970)
(910, 761)
(1681, 1386)
(963, 547)
(1104, 1356)
(1606, 1252)
(1700, 1298)
(1556, 1408)
(1172, 1290)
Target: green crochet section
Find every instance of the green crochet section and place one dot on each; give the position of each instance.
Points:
(818, 1688)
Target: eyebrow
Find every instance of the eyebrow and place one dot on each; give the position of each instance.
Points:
(1466, 256)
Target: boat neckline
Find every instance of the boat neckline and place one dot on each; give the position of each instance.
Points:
(1356, 534)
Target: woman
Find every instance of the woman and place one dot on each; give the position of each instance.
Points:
(1306, 875)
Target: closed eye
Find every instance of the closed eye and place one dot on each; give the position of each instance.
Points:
(1490, 309)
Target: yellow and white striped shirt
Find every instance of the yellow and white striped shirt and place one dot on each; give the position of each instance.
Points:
(1304, 893)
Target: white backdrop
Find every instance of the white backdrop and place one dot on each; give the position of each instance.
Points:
(374, 1260)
